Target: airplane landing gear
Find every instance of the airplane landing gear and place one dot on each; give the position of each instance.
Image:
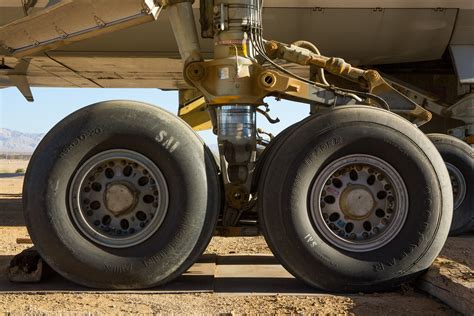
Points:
(124, 195)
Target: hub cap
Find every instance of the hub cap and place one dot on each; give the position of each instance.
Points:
(359, 203)
(118, 198)
(458, 183)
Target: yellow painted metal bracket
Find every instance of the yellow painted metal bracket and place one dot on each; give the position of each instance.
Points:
(196, 115)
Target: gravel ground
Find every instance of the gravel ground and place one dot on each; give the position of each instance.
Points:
(386, 304)
(405, 301)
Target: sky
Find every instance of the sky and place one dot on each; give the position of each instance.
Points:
(51, 105)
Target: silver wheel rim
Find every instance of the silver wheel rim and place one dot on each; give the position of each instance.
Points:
(359, 203)
(458, 184)
(118, 198)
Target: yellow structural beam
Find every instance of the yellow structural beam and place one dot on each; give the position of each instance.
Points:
(196, 115)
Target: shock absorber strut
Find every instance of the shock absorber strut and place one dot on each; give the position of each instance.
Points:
(237, 132)
(228, 83)
(236, 129)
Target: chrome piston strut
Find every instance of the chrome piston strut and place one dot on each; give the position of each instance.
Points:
(237, 141)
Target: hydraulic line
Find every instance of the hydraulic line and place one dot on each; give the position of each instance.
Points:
(256, 37)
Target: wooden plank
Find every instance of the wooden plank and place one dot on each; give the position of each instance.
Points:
(24, 240)
(452, 283)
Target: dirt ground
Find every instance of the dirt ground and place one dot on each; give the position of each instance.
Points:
(406, 301)
(12, 165)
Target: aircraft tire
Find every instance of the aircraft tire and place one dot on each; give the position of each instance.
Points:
(121, 195)
(459, 159)
(330, 158)
(267, 153)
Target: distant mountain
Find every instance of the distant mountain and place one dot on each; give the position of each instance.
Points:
(17, 142)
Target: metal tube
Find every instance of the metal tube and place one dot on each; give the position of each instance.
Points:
(182, 20)
(310, 46)
(237, 124)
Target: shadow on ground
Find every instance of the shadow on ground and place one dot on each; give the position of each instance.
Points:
(211, 274)
(10, 175)
(207, 276)
(11, 210)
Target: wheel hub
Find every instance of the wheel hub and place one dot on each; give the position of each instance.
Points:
(120, 198)
(357, 202)
(458, 184)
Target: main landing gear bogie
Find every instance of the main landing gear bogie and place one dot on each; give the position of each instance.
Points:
(361, 200)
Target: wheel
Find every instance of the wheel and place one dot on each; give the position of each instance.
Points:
(121, 195)
(361, 201)
(459, 159)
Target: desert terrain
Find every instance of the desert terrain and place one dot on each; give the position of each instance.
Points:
(404, 301)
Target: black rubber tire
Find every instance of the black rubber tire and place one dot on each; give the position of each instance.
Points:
(267, 152)
(284, 213)
(262, 158)
(193, 184)
(460, 155)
